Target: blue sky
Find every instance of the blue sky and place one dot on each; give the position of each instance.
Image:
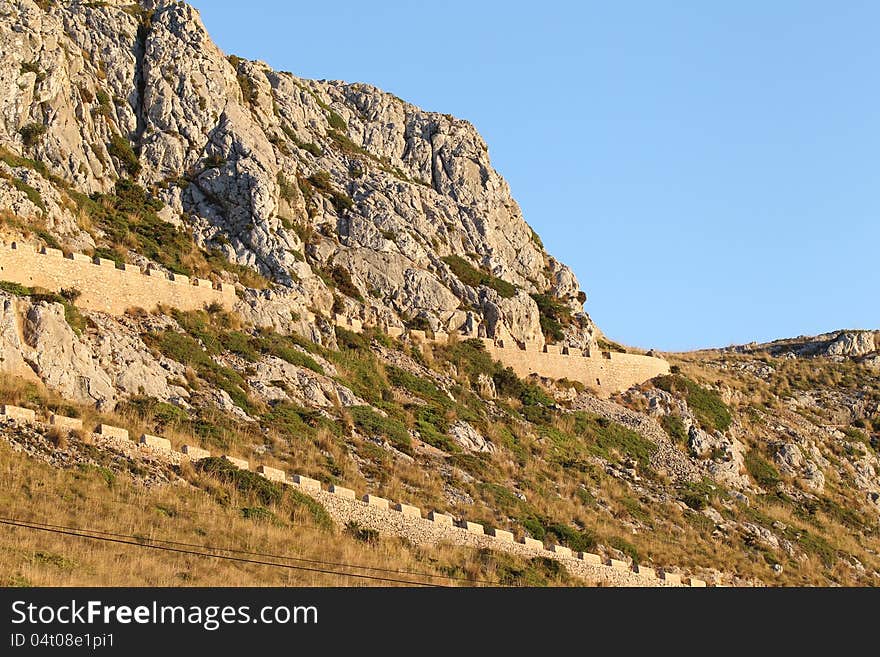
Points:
(709, 170)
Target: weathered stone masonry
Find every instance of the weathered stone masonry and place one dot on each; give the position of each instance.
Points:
(157, 446)
(605, 373)
(104, 287)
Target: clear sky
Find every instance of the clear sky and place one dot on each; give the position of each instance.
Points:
(708, 169)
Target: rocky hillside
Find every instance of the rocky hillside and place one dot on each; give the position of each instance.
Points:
(125, 133)
(325, 195)
(863, 346)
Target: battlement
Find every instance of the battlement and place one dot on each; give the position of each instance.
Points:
(105, 287)
(382, 510)
(605, 372)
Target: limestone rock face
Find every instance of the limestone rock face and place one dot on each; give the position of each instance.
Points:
(279, 380)
(132, 368)
(469, 438)
(297, 179)
(105, 363)
(11, 340)
(59, 358)
(789, 458)
(853, 343)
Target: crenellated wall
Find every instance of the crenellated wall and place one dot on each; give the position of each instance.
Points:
(604, 373)
(105, 287)
(396, 512)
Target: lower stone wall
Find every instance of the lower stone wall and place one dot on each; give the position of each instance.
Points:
(393, 515)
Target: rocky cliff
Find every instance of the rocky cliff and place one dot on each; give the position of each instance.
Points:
(348, 199)
(126, 134)
(861, 345)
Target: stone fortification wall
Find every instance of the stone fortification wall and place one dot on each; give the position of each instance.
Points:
(386, 516)
(105, 287)
(605, 373)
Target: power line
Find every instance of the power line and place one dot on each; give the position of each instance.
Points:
(79, 533)
(248, 552)
(260, 554)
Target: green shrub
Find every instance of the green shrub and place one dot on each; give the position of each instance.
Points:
(34, 197)
(286, 189)
(626, 547)
(433, 427)
(315, 511)
(350, 340)
(424, 388)
(536, 239)
(246, 482)
(216, 261)
(363, 373)
(15, 289)
(553, 315)
(109, 254)
(706, 405)
(761, 470)
(579, 541)
(469, 357)
(534, 527)
(310, 147)
(538, 571)
(605, 437)
(249, 90)
(32, 133)
(673, 425)
(608, 345)
(258, 513)
(104, 106)
(71, 313)
(283, 347)
(14, 160)
(854, 434)
(321, 182)
(129, 218)
(469, 275)
(121, 149)
(698, 494)
(340, 278)
(815, 544)
(184, 349)
(346, 145)
(336, 122)
(162, 413)
(363, 534)
(215, 161)
(371, 423)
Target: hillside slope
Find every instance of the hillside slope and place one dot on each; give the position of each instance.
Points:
(126, 134)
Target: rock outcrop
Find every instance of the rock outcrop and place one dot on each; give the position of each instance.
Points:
(846, 344)
(297, 179)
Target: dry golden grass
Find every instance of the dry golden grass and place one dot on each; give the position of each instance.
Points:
(33, 491)
(658, 532)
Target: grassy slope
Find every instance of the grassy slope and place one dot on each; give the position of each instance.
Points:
(114, 502)
(548, 476)
(833, 530)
